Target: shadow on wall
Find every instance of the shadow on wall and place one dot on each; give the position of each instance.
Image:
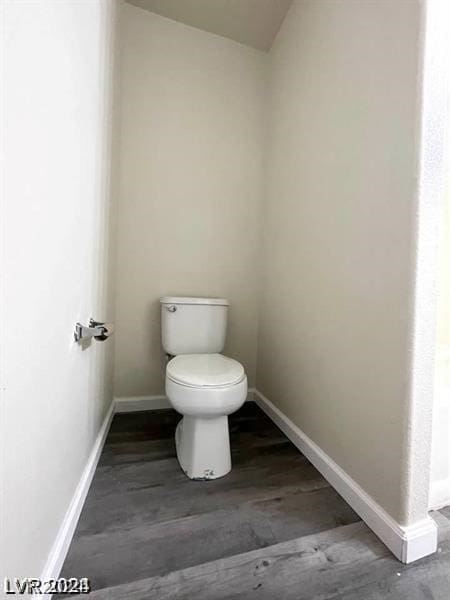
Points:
(154, 313)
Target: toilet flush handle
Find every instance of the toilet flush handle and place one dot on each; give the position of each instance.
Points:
(171, 308)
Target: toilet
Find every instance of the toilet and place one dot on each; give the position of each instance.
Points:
(201, 383)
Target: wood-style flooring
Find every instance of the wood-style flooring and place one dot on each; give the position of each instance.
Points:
(271, 529)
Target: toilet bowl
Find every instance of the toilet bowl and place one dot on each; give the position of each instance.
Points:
(205, 389)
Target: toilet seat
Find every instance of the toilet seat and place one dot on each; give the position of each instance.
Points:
(205, 371)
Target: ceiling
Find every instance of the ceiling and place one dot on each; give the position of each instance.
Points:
(251, 22)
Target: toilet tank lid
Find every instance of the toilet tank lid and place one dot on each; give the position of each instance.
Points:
(186, 300)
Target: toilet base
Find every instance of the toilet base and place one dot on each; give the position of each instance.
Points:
(203, 447)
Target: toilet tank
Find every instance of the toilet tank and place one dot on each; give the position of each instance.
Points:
(193, 325)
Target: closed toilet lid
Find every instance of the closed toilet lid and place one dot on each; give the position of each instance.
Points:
(205, 370)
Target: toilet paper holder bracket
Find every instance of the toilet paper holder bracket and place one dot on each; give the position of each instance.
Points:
(96, 329)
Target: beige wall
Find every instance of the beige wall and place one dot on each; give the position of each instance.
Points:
(56, 265)
(443, 329)
(191, 187)
(440, 464)
(335, 325)
(336, 345)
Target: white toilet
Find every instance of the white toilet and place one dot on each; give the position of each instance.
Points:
(201, 384)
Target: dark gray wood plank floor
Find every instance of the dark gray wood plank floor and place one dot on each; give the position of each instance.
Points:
(273, 529)
(143, 517)
(346, 563)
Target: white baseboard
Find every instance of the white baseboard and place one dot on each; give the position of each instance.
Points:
(251, 395)
(138, 403)
(64, 537)
(406, 543)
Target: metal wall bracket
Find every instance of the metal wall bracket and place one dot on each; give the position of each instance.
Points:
(96, 329)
